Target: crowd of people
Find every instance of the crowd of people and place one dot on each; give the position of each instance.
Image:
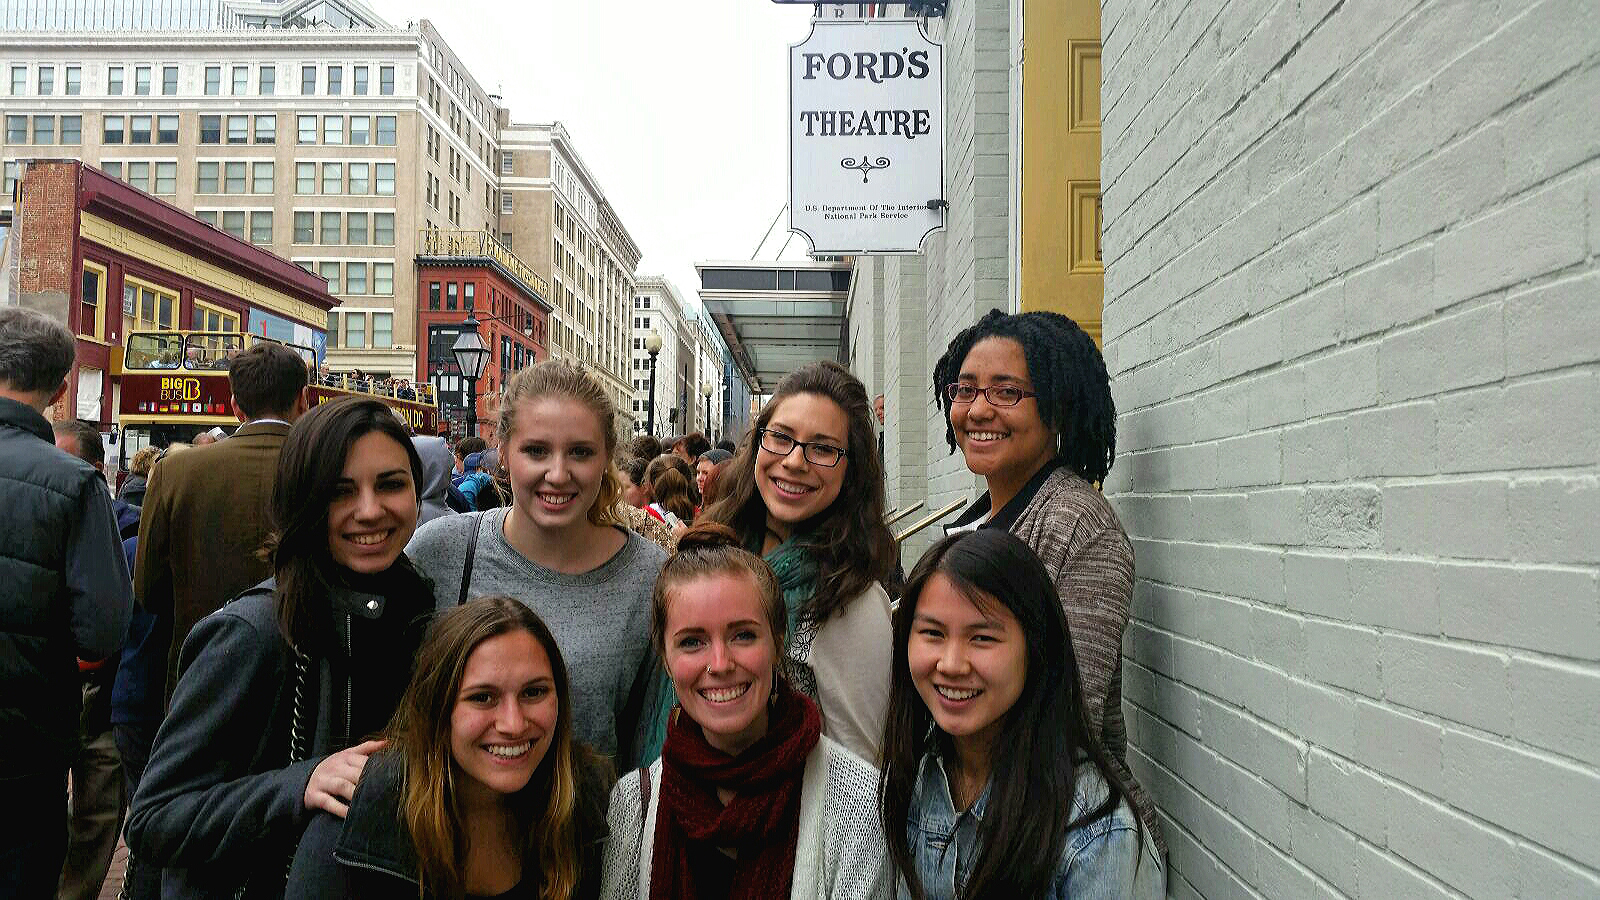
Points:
(346, 661)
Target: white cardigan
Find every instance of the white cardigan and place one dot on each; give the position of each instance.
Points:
(840, 854)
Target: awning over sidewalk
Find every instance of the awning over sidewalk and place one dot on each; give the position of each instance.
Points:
(776, 316)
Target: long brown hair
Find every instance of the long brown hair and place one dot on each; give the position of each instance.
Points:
(564, 378)
(669, 481)
(848, 540)
(309, 468)
(547, 809)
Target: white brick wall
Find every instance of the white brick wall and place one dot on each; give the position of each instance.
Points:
(1353, 323)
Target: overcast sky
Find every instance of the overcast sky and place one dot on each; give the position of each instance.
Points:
(678, 109)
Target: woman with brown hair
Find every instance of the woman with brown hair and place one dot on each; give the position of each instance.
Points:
(561, 547)
(670, 491)
(493, 796)
(280, 683)
(805, 491)
(749, 798)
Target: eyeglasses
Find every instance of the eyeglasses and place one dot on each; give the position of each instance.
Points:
(997, 395)
(815, 452)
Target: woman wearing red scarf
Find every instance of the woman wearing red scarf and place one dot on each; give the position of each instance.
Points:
(748, 800)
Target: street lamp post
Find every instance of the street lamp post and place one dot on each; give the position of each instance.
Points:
(705, 391)
(652, 343)
(471, 358)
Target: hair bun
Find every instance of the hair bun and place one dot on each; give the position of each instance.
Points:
(707, 536)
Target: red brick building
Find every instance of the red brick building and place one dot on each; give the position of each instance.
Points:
(88, 240)
(458, 272)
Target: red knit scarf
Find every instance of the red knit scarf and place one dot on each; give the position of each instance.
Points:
(762, 821)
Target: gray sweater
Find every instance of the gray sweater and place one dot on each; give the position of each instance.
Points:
(600, 618)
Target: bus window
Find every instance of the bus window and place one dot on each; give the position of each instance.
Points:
(147, 350)
(212, 350)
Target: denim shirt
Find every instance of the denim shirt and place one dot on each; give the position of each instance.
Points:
(1102, 859)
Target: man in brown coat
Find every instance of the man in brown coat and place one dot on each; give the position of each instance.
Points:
(205, 512)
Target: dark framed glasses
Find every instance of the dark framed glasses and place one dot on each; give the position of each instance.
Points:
(997, 395)
(815, 452)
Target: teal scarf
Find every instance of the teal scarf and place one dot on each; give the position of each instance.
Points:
(797, 577)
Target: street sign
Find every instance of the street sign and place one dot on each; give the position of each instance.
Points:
(866, 137)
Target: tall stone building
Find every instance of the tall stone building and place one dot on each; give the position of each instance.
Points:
(658, 308)
(553, 214)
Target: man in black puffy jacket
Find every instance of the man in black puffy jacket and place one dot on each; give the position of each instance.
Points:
(61, 599)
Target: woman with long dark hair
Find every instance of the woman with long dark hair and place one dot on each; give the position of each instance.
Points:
(993, 783)
(1027, 400)
(562, 548)
(492, 795)
(805, 491)
(279, 686)
(749, 798)
(670, 491)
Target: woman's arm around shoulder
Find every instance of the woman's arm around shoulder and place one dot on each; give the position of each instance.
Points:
(199, 801)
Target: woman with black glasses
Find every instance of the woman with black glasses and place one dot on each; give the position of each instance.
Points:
(805, 490)
(1028, 402)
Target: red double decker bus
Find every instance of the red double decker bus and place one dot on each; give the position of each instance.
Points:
(174, 385)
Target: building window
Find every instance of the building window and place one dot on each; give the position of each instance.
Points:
(267, 129)
(386, 80)
(330, 273)
(213, 80)
(358, 178)
(383, 279)
(308, 80)
(333, 129)
(92, 302)
(205, 317)
(210, 129)
(261, 226)
(166, 178)
(505, 202)
(141, 80)
(383, 229)
(19, 80)
(505, 239)
(10, 184)
(355, 330)
(138, 129)
(233, 222)
(114, 81)
(305, 178)
(382, 330)
(333, 178)
(166, 129)
(355, 278)
(17, 130)
(138, 175)
(335, 80)
(330, 230)
(241, 80)
(358, 80)
(356, 228)
(238, 129)
(384, 179)
(262, 177)
(74, 80)
(386, 131)
(72, 129)
(333, 330)
(450, 295)
(304, 226)
(306, 128)
(47, 80)
(433, 295)
(206, 177)
(44, 130)
(147, 308)
(233, 177)
(468, 291)
(505, 162)
(169, 81)
(268, 81)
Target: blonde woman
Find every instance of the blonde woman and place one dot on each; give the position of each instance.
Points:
(493, 796)
(561, 548)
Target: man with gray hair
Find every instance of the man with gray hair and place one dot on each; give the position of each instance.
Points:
(62, 599)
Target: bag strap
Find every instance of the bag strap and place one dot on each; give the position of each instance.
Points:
(644, 800)
(472, 550)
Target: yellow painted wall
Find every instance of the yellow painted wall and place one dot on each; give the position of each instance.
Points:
(1061, 266)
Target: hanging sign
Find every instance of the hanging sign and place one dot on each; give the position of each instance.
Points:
(866, 137)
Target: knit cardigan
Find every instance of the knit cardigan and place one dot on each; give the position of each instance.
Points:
(841, 854)
(1073, 529)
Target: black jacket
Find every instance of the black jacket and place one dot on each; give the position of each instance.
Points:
(221, 805)
(132, 490)
(64, 592)
(370, 853)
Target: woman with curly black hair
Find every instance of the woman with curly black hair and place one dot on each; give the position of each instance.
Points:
(1027, 400)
